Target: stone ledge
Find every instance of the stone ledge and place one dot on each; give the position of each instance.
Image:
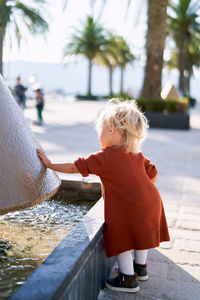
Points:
(79, 190)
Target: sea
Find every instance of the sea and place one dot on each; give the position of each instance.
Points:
(71, 78)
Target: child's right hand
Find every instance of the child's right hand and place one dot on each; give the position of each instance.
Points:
(44, 158)
(154, 179)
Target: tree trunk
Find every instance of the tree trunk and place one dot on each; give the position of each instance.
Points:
(181, 65)
(2, 31)
(111, 81)
(187, 84)
(157, 22)
(89, 78)
(122, 81)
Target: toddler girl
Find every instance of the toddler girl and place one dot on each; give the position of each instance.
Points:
(134, 214)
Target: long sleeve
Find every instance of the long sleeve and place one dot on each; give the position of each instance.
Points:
(93, 164)
(150, 168)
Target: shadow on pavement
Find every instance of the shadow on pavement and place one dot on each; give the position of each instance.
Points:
(167, 281)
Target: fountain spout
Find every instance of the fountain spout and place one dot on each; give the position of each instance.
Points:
(24, 180)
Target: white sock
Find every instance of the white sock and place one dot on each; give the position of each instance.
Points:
(140, 256)
(125, 262)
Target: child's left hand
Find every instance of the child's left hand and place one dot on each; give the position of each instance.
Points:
(44, 158)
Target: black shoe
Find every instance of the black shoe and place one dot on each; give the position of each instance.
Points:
(123, 283)
(141, 271)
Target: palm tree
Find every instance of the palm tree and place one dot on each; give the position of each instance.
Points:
(108, 58)
(116, 53)
(192, 60)
(184, 29)
(155, 44)
(124, 57)
(12, 12)
(88, 41)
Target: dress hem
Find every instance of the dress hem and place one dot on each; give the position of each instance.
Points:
(135, 248)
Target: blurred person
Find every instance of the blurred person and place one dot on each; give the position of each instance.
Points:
(39, 105)
(19, 93)
(134, 213)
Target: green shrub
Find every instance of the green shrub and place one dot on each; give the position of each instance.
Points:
(192, 101)
(161, 105)
(170, 105)
(158, 105)
(141, 104)
(155, 105)
(122, 97)
(86, 97)
(182, 105)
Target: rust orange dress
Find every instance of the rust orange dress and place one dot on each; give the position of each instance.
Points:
(133, 210)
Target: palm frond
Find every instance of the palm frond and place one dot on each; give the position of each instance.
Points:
(127, 8)
(184, 29)
(17, 33)
(87, 41)
(65, 2)
(33, 19)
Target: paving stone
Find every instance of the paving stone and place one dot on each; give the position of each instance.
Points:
(171, 221)
(171, 289)
(111, 295)
(158, 255)
(171, 214)
(188, 224)
(190, 198)
(156, 288)
(187, 245)
(192, 273)
(188, 216)
(167, 245)
(179, 257)
(172, 207)
(171, 196)
(184, 273)
(184, 234)
(192, 210)
(158, 269)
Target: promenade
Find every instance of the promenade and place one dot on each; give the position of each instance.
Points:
(174, 267)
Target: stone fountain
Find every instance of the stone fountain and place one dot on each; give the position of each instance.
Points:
(78, 266)
(24, 180)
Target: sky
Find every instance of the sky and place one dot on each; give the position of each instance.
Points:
(132, 26)
(37, 49)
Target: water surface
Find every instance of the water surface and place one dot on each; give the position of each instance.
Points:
(28, 236)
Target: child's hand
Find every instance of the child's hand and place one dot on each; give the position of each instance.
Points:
(154, 179)
(44, 158)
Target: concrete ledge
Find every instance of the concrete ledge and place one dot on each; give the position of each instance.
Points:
(170, 120)
(79, 190)
(77, 268)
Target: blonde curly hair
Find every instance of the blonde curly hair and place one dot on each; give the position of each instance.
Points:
(126, 117)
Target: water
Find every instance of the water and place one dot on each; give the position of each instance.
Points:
(28, 236)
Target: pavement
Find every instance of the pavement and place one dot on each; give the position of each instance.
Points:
(174, 267)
